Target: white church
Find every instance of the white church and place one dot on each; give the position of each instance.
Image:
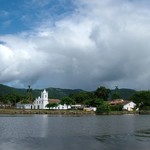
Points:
(41, 102)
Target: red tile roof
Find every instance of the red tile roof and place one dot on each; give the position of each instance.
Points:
(118, 101)
(54, 101)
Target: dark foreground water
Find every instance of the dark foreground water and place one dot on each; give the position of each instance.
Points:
(43, 132)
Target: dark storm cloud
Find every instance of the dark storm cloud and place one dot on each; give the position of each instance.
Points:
(101, 43)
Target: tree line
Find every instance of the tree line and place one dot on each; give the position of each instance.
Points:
(102, 95)
(97, 98)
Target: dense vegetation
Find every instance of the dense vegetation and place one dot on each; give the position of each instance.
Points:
(10, 95)
(97, 98)
(100, 97)
(142, 99)
(53, 92)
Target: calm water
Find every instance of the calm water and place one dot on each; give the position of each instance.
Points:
(43, 132)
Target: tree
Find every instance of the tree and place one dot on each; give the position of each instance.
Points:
(51, 105)
(12, 98)
(82, 97)
(29, 91)
(67, 100)
(118, 107)
(96, 102)
(102, 93)
(116, 94)
(142, 99)
(89, 102)
(104, 107)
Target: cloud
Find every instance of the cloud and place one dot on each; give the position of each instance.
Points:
(36, 3)
(4, 14)
(100, 43)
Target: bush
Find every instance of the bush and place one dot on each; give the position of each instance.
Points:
(103, 108)
(116, 108)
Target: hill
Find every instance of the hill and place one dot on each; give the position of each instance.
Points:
(58, 92)
(124, 93)
(4, 90)
(53, 92)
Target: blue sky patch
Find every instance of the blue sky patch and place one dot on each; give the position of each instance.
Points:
(20, 15)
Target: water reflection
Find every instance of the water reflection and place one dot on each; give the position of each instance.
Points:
(43, 126)
(39, 132)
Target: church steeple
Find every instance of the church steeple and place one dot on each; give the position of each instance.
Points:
(44, 95)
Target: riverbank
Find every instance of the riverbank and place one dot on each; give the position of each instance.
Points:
(47, 111)
(118, 113)
(65, 112)
(146, 112)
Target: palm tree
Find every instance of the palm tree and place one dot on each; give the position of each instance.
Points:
(29, 91)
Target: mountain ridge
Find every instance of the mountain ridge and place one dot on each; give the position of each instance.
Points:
(53, 92)
(58, 92)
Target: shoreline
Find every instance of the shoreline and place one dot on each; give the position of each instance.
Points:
(47, 111)
(65, 112)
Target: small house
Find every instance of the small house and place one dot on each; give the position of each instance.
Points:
(130, 106)
(127, 105)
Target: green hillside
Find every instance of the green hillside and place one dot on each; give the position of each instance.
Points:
(53, 92)
(4, 90)
(124, 93)
(58, 92)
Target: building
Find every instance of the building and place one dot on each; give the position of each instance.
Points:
(89, 109)
(59, 105)
(24, 106)
(41, 102)
(116, 102)
(130, 106)
(127, 105)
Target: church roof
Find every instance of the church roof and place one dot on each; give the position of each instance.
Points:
(54, 101)
(44, 91)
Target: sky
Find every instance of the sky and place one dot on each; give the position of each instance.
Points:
(75, 44)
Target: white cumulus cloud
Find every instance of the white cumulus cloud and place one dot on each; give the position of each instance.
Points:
(100, 43)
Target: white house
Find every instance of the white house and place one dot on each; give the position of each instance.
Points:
(129, 106)
(64, 107)
(60, 106)
(24, 106)
(89, 109)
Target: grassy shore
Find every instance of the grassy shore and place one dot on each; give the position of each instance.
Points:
(63, 112)
(50, 112)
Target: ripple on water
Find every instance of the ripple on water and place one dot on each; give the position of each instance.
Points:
(137, 140)
(143, 135)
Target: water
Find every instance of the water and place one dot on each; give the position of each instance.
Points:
(43, 132)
